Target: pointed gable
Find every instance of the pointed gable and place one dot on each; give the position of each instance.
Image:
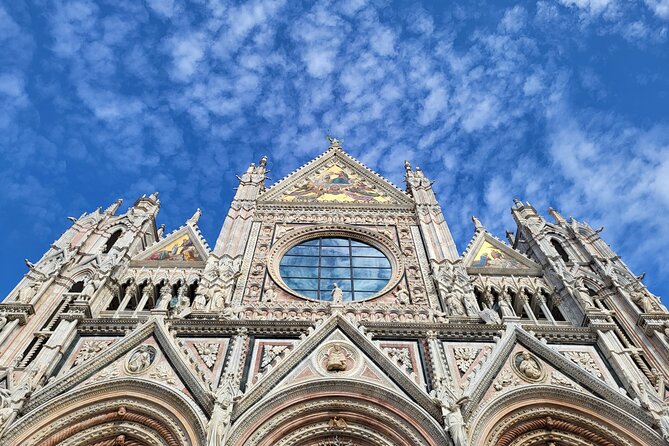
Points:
(182, 247)
(335, 177)
(335, 184)
(114, 361)
(487, 255)
(504, 371)
(310, 360)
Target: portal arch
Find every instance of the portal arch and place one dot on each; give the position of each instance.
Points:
(143, 412)
(539, 415)
(308, 414)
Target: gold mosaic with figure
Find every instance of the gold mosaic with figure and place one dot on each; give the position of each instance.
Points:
(335, 184)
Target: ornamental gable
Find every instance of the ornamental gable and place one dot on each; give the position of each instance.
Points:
(487, 255)
(182, 247)
(335, 178)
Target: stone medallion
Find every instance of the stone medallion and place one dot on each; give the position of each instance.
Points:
(140, 359)
(528, 367)
(338, 358)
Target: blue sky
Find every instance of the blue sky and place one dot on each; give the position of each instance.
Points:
(561, 103)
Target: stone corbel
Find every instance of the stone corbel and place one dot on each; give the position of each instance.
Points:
(652, 322)
(16, 310)
(77, 312)
(598, 320)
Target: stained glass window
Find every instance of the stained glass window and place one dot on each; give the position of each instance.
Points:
(313, 267)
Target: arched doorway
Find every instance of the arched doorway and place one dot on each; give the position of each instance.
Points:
(128, 412)
(549, 416)
(332, 413)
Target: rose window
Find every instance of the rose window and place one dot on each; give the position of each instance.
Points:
(312, 268)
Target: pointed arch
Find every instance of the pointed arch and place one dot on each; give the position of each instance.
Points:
(144, 412)
(557, 245)
(524, 414)
(302, 414)
(111, 241)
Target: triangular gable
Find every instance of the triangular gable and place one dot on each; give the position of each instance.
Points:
(487, 255)
(160, 370)
(151, 328)
(321, 343)
(182, 247)
(498, 374)
(335, 178)
(314, 366)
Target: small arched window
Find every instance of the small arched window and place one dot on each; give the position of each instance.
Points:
(78, 287)
(112, 240)
(560, 250)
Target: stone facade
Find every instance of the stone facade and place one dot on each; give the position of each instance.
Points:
(123, 335)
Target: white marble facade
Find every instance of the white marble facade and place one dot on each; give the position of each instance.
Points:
(334, 309)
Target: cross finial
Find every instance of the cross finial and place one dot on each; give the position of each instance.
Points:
(334, 142)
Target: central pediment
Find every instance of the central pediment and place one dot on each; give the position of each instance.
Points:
(334, 178)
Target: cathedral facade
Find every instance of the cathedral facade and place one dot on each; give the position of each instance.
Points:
(333, 310)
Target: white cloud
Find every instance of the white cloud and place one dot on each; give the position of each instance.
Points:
(514, 19)
(162, 7)
(320, 61)
(659, 7)
(159, 91)
(187, 53)
(383, 41)
(12, 85)
(592, 6)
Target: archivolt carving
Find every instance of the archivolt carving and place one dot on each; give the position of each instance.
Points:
(552, 424)
(319, 430)
(404, 422)
(175, 420)
(122, 432)
(597, 420)
(118, 441)
(119, 416)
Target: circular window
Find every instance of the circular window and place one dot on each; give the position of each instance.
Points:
(313, 267)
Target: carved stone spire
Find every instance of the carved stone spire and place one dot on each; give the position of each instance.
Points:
(478, 226)
(237, 223)
(440, 244)
(559, 219)
(196, 216)
(111, 210)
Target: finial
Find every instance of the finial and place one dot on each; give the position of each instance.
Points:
(510, 236)
(263, 161)
(154, 196)
(556, 216)
(517, 202)
(477, 223)
(407, 165)
(334, 142)
(114, 206)
(195, 217)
